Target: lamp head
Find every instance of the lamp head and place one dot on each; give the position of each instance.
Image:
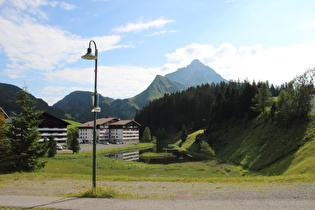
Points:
(89, 55)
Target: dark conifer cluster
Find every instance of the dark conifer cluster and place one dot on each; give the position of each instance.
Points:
(211, 104)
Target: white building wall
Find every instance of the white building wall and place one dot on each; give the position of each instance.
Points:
(126, 135)
(86, 135)
(59, 134)
(116, 134)
(127, 156)
(131, 135)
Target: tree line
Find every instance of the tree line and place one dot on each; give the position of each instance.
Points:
(210, 104)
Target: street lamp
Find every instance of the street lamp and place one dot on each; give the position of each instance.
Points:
(90, 56)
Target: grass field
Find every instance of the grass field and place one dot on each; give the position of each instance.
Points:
(70, 174)
(79, 167)
(284, 155)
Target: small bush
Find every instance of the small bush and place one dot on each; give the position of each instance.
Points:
(101, 192)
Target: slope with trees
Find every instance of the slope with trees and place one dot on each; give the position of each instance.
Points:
(242, 122)
(9, 94)
(198, 106)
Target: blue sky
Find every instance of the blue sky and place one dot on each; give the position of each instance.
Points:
(41, 42)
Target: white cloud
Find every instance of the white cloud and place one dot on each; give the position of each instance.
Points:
(125, 81)
(31, 46)
(277, 64)
(77, 75)
(27, 48)
(161, 32)
(52, 94)
(67, 6)
(113, 81)
(140, 26)
(17, 9)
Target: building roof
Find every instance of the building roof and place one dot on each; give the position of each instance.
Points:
(98, 122)
(124, 122)
(4, 114)
(50, 121)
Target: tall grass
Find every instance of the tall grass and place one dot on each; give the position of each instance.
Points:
(101, 192)
(268, 147)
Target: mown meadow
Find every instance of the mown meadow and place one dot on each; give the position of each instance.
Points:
(79, 166)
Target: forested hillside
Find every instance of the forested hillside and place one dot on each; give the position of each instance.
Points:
(258, 126)
(198, 106)
(9, 94)
(77, 106)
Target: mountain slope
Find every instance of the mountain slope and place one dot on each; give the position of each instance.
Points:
(9, 94)
(268, 147)
(77, 105)
(156, 89)
(195, 74)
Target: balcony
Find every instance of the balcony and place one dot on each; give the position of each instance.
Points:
(52, 129)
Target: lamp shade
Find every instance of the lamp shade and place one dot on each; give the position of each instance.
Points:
(89, 55)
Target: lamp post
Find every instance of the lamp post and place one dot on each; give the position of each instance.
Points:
(90, 56)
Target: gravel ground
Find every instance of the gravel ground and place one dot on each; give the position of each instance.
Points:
(164, 190)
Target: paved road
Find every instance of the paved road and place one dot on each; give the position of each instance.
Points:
(182, 204)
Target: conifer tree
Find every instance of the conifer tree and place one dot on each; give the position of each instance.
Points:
(5, 163)
(146, 137)
(262, 99)
(25, 150)
(303, 87)
(183, 133)
(52, 147)
(74, 144)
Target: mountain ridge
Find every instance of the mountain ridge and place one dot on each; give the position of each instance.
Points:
(76, 105)
(9, 94)
(159, 86)
(196, 73)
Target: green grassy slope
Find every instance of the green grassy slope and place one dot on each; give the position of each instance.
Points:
(73, 124)
(157, 89)
(267, 147)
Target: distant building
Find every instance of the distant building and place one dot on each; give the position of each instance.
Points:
(102, 130)
(52, 126)
(110, 129)
(126, 156)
